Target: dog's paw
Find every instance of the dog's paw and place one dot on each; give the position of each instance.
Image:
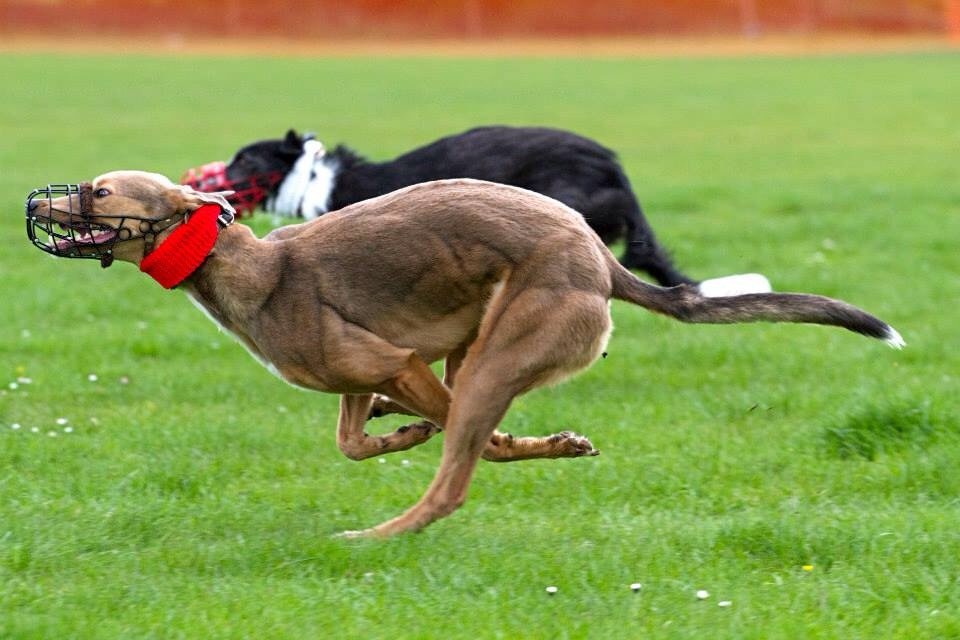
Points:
(571, 445)
(419, 431)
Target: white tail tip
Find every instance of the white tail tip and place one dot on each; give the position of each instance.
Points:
(735, 285)
(894, 339)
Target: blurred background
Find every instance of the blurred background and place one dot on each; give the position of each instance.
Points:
(412, 19)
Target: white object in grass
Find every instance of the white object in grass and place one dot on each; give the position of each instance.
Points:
(735, 285)
(703, 594)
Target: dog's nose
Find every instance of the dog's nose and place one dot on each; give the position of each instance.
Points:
(32, 206)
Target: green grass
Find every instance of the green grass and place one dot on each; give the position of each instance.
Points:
(198, 499)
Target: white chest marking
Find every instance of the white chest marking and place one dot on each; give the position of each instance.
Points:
(269, 366)
(316, 199)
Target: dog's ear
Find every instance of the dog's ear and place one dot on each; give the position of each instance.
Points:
(189, 199)
(292, 140)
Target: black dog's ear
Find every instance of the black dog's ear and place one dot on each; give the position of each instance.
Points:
(292, 140)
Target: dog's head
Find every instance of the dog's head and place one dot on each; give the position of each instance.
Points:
(118, 215)
(253, 174)
(267, 156)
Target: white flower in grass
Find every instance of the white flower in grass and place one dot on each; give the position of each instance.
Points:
(636, 586)
(34, 429)
(551, 590)
(405, 463)
(24, 380)
(62, 421)
(92, 377)
(703, 594)
(724, 603)
(15, 426)
(52, 434)
(68, 429)
(13, 386)
(382, 460)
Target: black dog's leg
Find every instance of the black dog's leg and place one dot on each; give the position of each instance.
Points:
(643, 252)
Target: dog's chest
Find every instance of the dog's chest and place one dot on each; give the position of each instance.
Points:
(242, 339)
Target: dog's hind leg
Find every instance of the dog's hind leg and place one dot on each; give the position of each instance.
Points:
(527, 340)
(502, 447)
(473, 420)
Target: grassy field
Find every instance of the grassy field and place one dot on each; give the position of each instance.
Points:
(808, 476)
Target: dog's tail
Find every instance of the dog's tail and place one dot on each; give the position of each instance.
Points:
(687, 304)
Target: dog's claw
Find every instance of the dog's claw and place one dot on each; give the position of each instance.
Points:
(572, 445)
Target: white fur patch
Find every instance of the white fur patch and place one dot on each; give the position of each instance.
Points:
(294, 187)
(894, 339)
(316, 199)
(735, 285)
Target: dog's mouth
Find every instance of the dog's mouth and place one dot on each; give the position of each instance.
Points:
(74, 237)
(248, 192)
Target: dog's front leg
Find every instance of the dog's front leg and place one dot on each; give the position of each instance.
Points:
(358, 445)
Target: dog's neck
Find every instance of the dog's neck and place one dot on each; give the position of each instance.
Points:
(178, 251)
(235, 279)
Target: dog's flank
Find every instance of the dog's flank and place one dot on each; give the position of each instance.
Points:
(509, 288)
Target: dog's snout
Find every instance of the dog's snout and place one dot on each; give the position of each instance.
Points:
(32, 205)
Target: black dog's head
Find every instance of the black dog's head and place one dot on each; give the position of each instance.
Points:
(266, 157)
(254, 173)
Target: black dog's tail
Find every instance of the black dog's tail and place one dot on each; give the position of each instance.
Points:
(687, 304)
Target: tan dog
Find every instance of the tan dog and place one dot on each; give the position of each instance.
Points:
(510, 287)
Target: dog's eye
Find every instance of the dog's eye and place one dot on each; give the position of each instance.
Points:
(101, 193)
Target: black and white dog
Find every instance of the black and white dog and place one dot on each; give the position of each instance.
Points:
(295, 176)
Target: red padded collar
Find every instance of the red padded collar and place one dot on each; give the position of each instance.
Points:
(185, 249)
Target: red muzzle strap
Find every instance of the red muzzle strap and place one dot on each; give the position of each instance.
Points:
(187, 246)
(248, 192)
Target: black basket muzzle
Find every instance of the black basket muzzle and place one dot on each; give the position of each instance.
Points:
(60, 221)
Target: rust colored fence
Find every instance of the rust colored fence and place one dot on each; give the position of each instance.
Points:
(476, 18)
